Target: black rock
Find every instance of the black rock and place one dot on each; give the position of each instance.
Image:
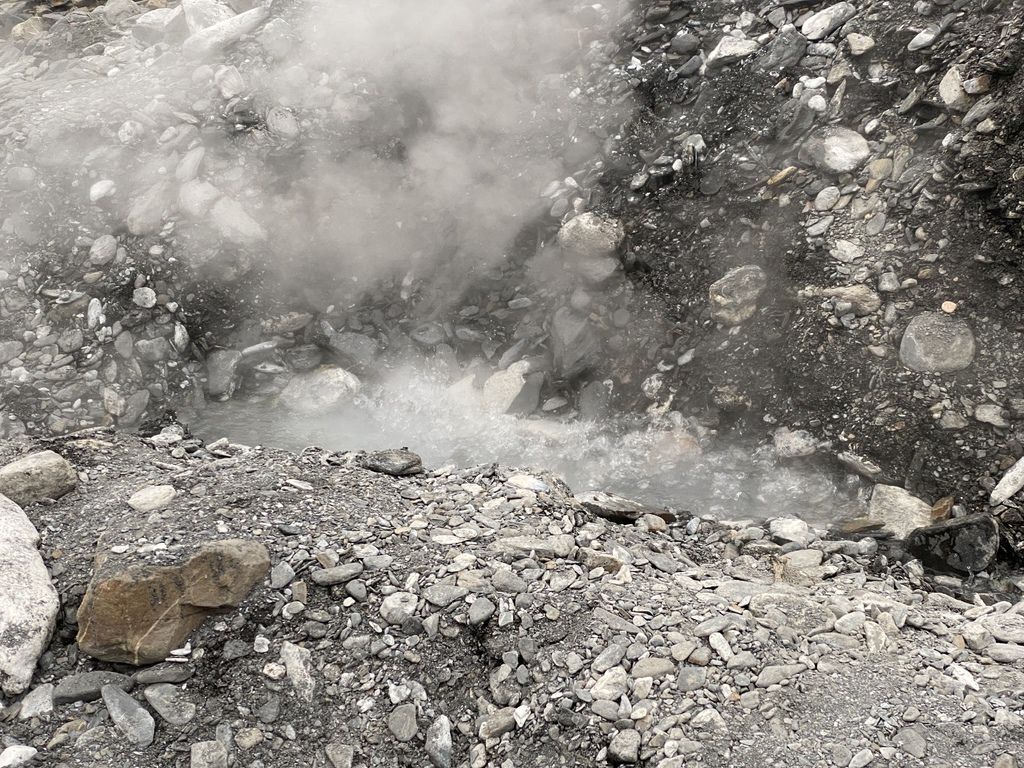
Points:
(87, 686)
(963, 544)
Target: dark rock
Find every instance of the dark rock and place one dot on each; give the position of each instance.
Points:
(88, 686)
(964, 544)
(394, 462)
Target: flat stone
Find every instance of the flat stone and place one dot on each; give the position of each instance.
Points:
(497, 724)
(935, 342)
(128, 716)
(298, 663)
(898, 510)
(776, 673)
(624, 748)
(438, 743)
(821, 24)
(208, 754)
(443, 595)
(652, 666)
(87, 686)
(398, 606)
(340, 574)
(730, 50)
(152, 498)
(170, 703)
(402, 722)
(611, 685)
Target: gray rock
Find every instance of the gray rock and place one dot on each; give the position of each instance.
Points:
(898, 509)
(37, 703)
(397, 607)
(28, 601)
(209, 754)
(159, 24)
(313, 392)
(439, 742)
(299, 666)
(103, 250)
(38, 476)
(574, 343)
(935, 342)
(340, 755)
(88, 686)
(206, 42)
(515, 390)
(730, 50)
(152, 498)
(836, 150)
(611, 685)
(785, 50)
(128, 716)
(402, 722)
(353, 350)
(624, 748)
(221, 373)
(776, 673)
(340, 574)
(170, 703)
(165, 672)
(685, 42)
(652, 666)
(480, 611)
(1009, 484)
(10, 350)
(497, 724)
(734, 296)
(200, 14)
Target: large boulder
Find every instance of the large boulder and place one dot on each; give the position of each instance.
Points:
(137, 613)
(898, 510)
(43, 475)
(964, 544)
(312, 392)
(935, 342)
(734, 296)
(28, 601)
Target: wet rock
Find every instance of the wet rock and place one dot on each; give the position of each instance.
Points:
(966, 544)
(221, 373)
(734, 297)
(129, 717)
(146, 216)
(574, 343)
(515, 390)
(836, 150)
(159, 24)
(313, 392)
(200, 14)
(137, 613)
(42, 475)
(934, 342)
(395, 462)
(899, 510)
(28, 601)
(590, 245)
(617, 508)
(354, 350)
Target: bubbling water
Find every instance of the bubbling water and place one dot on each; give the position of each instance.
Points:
(416, 409)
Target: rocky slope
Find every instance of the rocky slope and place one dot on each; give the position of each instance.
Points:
(471, 617)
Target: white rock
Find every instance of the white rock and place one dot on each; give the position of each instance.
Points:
(200, 14)
(513, 390)
(314, 391)
(152, 497)
(952, 93)
(17, 756)
(103, 250)
(731, 49)
(28, 601)
(590, 245)
(42, 475)
(734, 296)
(220, 35)
(1009, 484)
(197, 197)
(827, 20)
(233, 223)
(898, 509)
(836, 150)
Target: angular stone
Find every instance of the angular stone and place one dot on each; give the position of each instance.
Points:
(43, 475)
(821, 24)
(397, 607)
(935, 342)
(37, 703)
(18, 755)
(340, 574)
(590, 245)
(313, 392)
(395, 462)
(776, 673)
(28, 601)
(443, 595)
(129, 717)
(574, 343)
(137, 614)
(966, 544)
(611, 685)
(734, 296)
(731, 49)
(208, 754)
(898, 510)
(170, 703)
(439, 742)
(152, 498)
(219, 36)
(298, 663)
(624, 748)
(1009, 484)
(497, 724)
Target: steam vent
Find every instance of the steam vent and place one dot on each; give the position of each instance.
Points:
(511, 383)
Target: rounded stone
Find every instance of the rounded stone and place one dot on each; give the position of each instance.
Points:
(937, 343)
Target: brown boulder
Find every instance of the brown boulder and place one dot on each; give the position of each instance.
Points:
(137, 614)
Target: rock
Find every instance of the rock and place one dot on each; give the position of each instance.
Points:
(88, 686)
(481, 611)
(234, 224)
(899, 510)
(170, 703)
(196, 197)
(1009, 484)
(439, 742)
(952, 93)
(397, 607)
(38, 476)
(340, 755)
(1004, 627)
(118, 11)
(103, 250)
(652, 666)
(10, 350)
(823, 23)
(128, 716)
(216, 37)
(354, 350)
(299, 666)
(734, 296)
(152, 498)
(397, 463)
(617, 508)
(590, 245)
(200, 14)
(862, 299)
(935, 342)
(611, 685)
(28, 601)
(402, 722)
(514, 390)
(37, 703)
(624, 748)
(146, 215)
(785, 50)
(793, 444)
(137, 613)
(966, 544)
(209, 754)
(776, 673)
(18, 755)
(159, 24)
(340, 574)
(574, 343)
(835, 150)
(221, 373)
(497, 724)
(730, 50)
(313, 392)
(859, 44)
(790, 529)
(685, 42)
